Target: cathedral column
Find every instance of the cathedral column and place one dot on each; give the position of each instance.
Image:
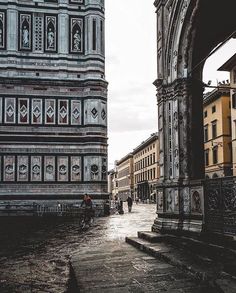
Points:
(180, 191)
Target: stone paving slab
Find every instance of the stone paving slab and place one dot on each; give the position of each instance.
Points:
(106, 263)
(128, 271)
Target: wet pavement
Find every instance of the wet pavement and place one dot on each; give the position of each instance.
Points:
(35, 253)
(35, 256)
(106, 263)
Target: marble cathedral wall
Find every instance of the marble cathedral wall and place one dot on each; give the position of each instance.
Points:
(53, 100)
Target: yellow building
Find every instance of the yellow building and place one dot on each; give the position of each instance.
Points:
(125, 177)
(217, 132)
(146, 168)
(230, 66)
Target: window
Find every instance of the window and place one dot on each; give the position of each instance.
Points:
(206, 157)
(234, 101)
(214, 129)
(205, 133)
(94, 34)
(205, 114)
(213, 109)
(215, 155)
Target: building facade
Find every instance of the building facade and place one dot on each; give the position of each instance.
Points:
(230, 66)
(125, 177)
(113, 183)
(217, 133)
(53, 101)
(146, 168)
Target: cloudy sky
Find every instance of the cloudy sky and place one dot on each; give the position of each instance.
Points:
(131, 70)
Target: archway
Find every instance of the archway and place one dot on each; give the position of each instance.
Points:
(187, 31)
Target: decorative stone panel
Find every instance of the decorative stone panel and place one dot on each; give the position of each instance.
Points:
(197, 200)
(2, 30)
(49, 168)
(36, 168)
(9, 167)
(76, 35)
(22, 168)
(62, 169)
(25, 32)
(50, 33)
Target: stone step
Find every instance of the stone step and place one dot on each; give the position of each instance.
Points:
(152, 237)
(197, 246)
(175, 257)
(219, 271)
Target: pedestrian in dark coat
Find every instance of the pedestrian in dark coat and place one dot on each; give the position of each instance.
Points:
(130, 203)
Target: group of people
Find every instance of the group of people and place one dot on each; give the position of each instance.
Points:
(119, 204)
(88, 205)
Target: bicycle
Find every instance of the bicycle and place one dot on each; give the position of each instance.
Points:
(86, 218)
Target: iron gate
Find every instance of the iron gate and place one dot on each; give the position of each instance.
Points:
(220, 205)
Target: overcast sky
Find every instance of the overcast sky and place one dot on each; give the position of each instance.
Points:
(131, 70)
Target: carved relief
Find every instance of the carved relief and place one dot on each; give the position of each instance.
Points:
(2, 30)
(50, 33)
(75, 168)
(94, 172)
(186, 200)
(170, 200)
(9, 168)
(22, 168)
(92, 168)
(76, 35)
(196, 201)
(36, 168)
(49, 168)
(63, 170)
(25, 32)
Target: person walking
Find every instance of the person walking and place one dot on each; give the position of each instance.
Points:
(130, 203)
(89, 212)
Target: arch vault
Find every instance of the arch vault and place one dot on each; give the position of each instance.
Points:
(187, 31)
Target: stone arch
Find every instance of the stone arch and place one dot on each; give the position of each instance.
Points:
(186, 34)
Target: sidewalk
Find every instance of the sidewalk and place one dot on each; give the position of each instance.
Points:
(105, 263)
